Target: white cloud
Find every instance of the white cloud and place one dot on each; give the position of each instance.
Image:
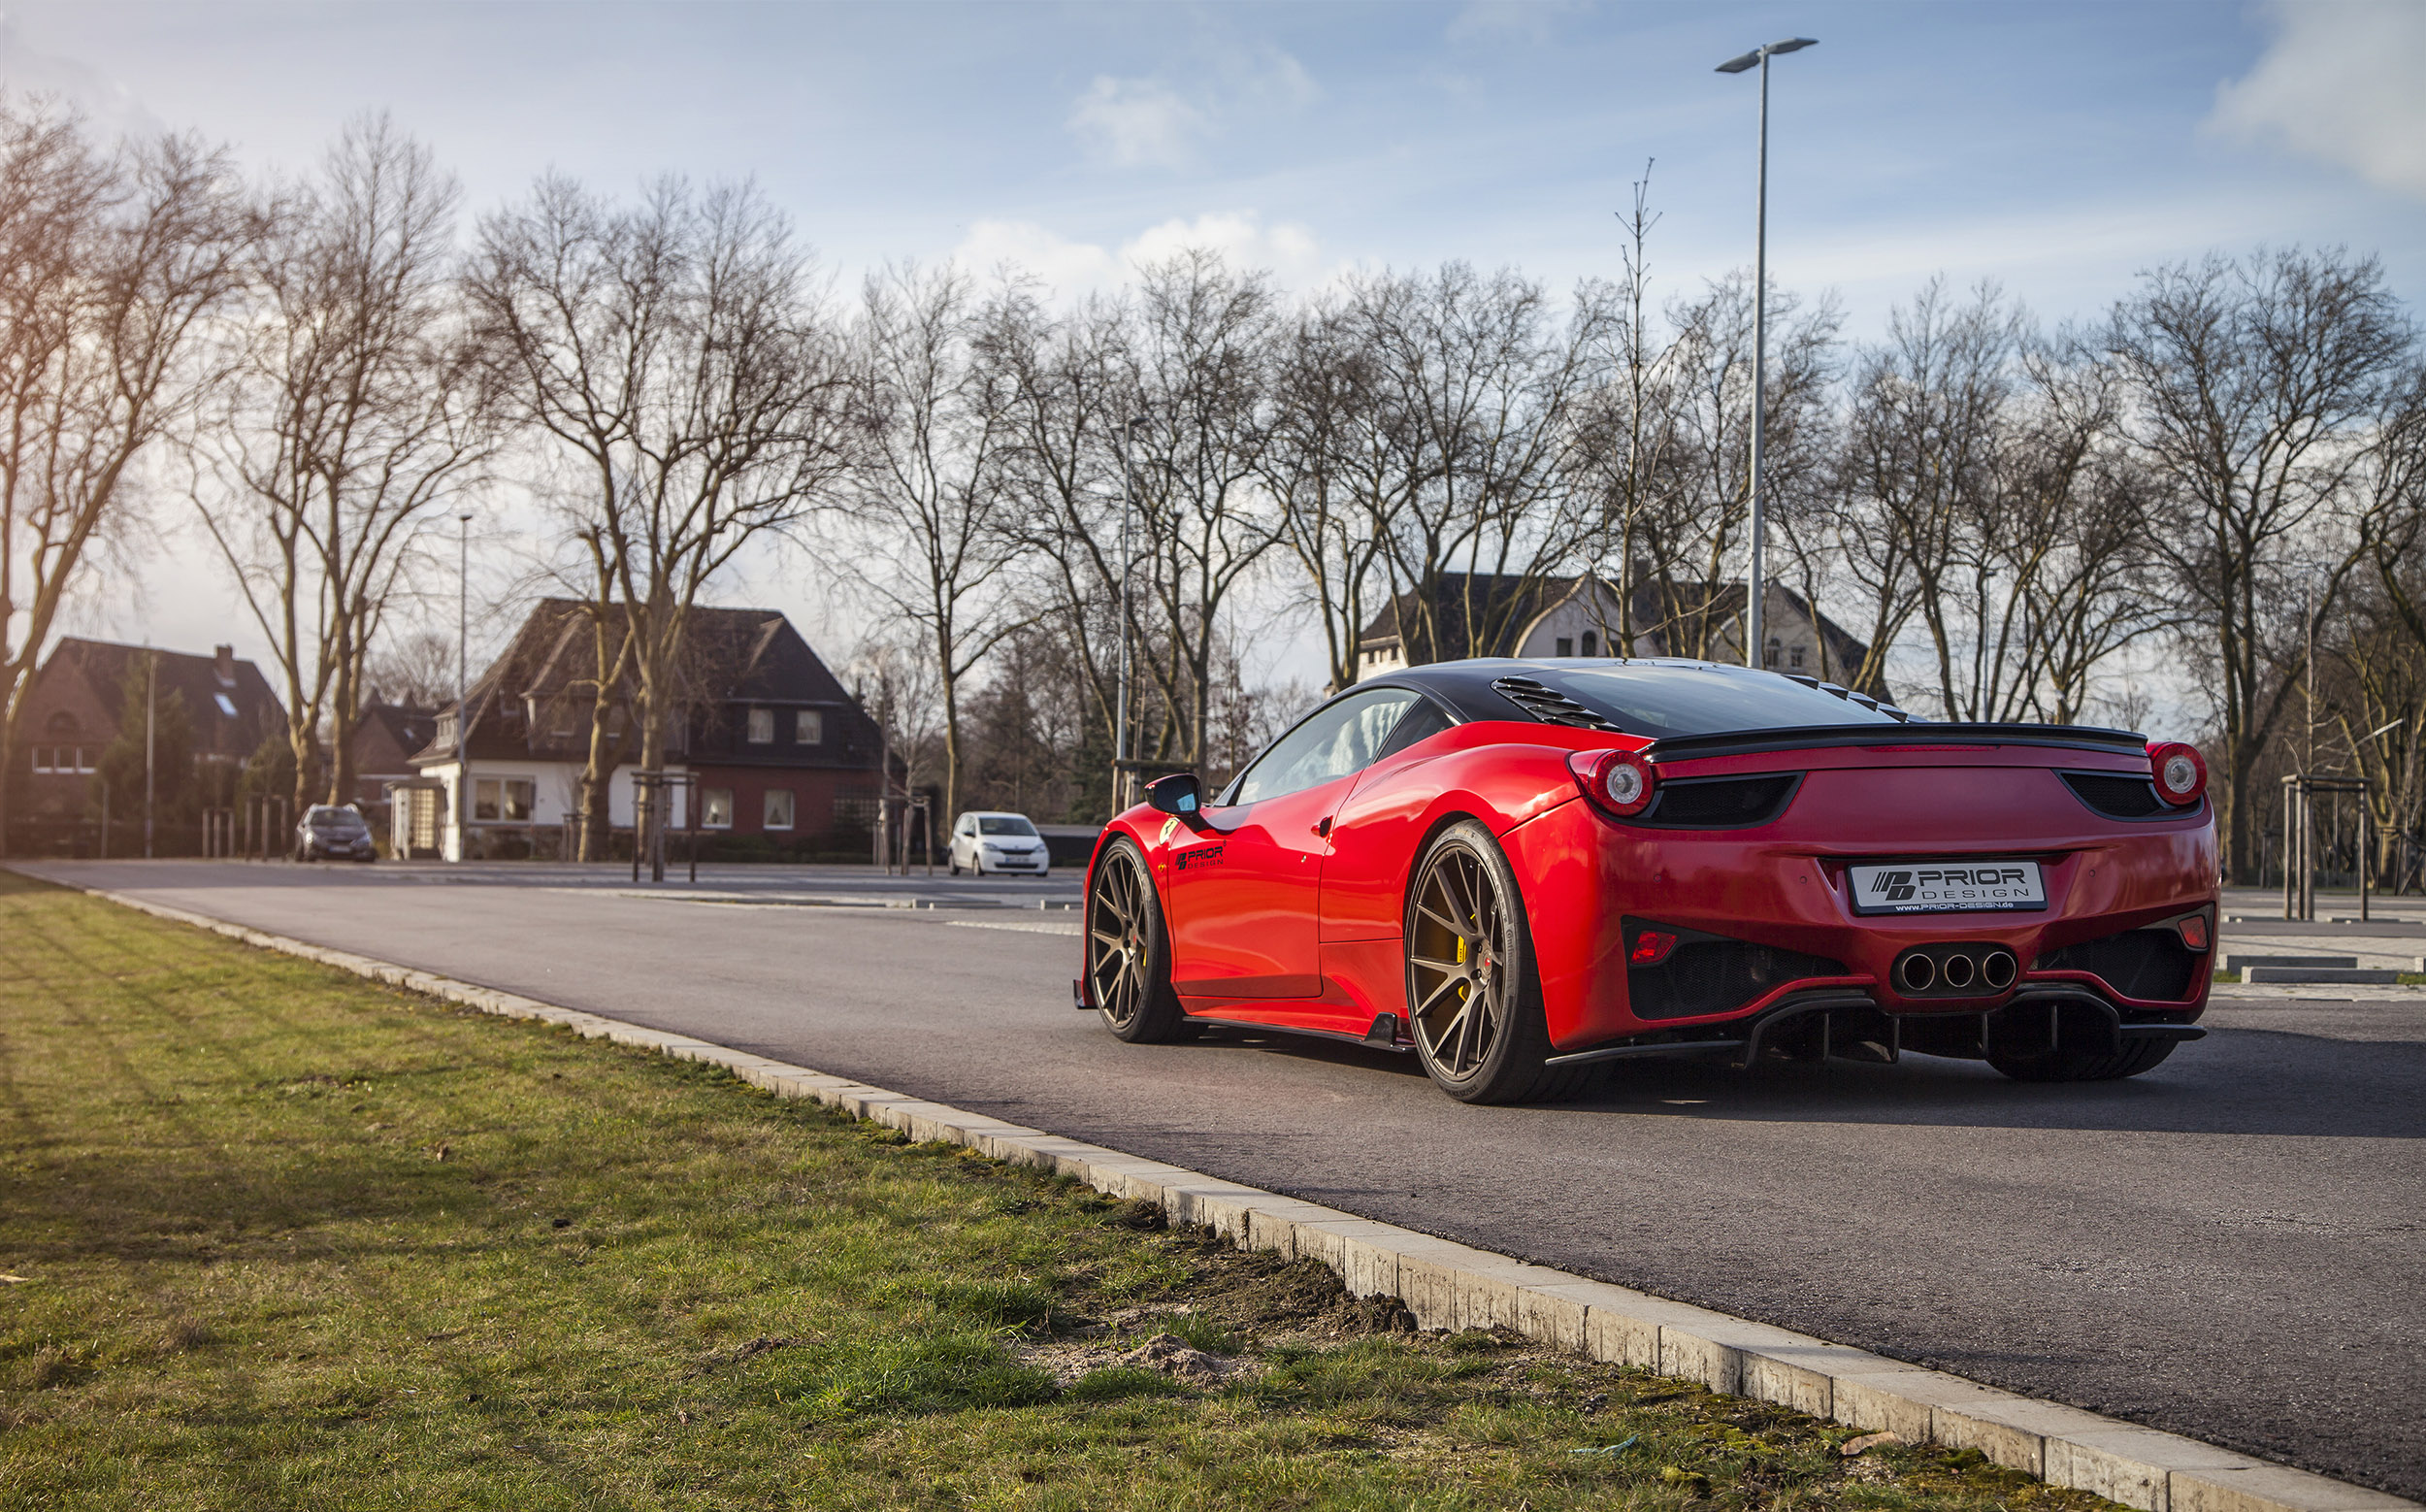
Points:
(1146, 123)
(1290, 252)
(1066, 267)
(1283, 81)
(2339, 82)
(1136, 122)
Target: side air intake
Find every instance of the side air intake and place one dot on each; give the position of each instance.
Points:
(2152, 964)
(1548, 704)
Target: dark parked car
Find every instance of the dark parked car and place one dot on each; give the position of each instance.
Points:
(329, 833)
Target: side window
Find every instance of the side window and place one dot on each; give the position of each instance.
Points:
(1420, 723)
(1340, 737)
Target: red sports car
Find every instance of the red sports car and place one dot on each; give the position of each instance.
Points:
(1520, 870)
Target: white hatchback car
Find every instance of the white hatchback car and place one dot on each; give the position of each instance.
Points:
(999, 842)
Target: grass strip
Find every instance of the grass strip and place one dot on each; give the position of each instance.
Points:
(277, 1237)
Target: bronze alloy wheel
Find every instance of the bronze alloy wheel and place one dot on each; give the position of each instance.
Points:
(1457, 963)
(1129, 972)
(1473, 1001)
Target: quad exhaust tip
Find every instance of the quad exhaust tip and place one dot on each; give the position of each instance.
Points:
(1955, 970)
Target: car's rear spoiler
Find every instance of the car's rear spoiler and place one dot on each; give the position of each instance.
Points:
(1742, 742)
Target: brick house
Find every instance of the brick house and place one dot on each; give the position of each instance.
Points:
(776, 748)
(72, 712)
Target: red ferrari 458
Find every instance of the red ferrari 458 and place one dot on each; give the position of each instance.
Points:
(1521, 870)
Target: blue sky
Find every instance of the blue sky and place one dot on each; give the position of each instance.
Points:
(2055, 148)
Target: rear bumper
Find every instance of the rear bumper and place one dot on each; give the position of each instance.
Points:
(1825, 1023)
(1769, 887)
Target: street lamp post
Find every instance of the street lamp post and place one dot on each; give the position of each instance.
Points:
(463, 711)
(1120, 705)
(1755, 584)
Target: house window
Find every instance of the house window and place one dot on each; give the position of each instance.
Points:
(64, 760)
(1794, 656)
(716, 809)
(1566, 646)
(779, 808)
(762, 727)
(1769, 654)
(227, 706)
(809, 727)
(506, 799)
(1591, 644)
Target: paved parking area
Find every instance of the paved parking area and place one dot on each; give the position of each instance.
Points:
(2229, 1247)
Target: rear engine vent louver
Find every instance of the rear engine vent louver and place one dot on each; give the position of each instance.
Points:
(1709, 973)
(2117, 796)
(2152, 964)
(1548, 704)
(1720, 803)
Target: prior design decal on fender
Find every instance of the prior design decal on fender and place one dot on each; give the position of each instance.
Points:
(1949, 887)
(1197, 859)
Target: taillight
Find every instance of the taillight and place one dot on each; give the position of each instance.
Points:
(2195, 934)
(2180, 776)
(1620, 781)
(1650, 947)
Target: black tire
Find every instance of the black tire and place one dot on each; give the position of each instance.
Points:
(1474, 1000)
(1129, 952)
(2145, 1053)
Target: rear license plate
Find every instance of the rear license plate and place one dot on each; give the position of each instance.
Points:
(1947, 887)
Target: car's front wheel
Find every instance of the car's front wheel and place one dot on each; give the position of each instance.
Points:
(1473, 1001)
(1129, 952)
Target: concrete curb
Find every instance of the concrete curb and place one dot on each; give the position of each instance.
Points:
(1446, 1285)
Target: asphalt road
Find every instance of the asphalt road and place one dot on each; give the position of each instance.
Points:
(2232, 1246)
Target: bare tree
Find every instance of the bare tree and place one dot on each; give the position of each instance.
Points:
(1072, 389)
(676, 355)
(1340, 467)
(1692, 512)
(1497, 390)
(2255, 383)
(938, 419)
(1202, 355)
(110, 268)
(357, 415)
(1637, 426)
(415, 669)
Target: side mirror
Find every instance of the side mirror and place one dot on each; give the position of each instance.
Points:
(1180, 795)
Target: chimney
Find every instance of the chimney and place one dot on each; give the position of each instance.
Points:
(228, 665)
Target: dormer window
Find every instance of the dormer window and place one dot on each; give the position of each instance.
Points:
(809, 727)
(762, 727)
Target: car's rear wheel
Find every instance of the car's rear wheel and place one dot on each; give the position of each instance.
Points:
(1473, 1000)
(1129, 952)
(2145, 1054)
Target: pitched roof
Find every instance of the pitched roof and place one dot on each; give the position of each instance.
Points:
(533, 700)
(1509, 605)
(227, 701)
(391, 731)
(1503, 603)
